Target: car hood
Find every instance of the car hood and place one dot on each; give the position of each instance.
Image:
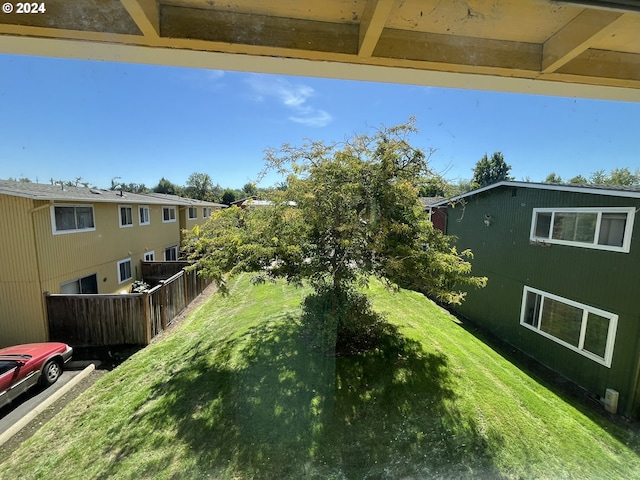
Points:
(34, 349)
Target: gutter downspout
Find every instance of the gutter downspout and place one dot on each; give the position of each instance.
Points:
(43, 306)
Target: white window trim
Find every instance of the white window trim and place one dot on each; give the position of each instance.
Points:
(153, 256)
(128, 225)
(206, 212)
(172, 247)
(124, 280)
(175, 215)
(586, 309)
(195, 209)
(626, 243)
(145, 207)
(55, 231)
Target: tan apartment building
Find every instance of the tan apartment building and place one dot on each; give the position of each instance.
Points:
(79, 241)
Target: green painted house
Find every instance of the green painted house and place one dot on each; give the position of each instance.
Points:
(564, 278)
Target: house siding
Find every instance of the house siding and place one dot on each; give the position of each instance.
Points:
(602, 279)
(22, 316)
(73, 255)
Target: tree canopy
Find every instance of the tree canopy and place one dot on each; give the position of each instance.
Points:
(491, 170)
(615, 177)
(349, 211)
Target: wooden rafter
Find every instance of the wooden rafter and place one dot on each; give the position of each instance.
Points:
(146, 15)
(373, 22)
(577, 37)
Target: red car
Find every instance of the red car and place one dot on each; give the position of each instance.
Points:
(23, 366)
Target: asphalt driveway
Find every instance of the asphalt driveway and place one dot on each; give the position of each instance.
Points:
(20, 407)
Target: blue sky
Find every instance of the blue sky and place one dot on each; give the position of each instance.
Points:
(65, 119)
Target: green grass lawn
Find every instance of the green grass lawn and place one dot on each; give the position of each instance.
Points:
(235, 393)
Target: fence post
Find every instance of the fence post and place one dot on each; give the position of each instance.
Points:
(185, 282)
(163, 305)
(147, 316)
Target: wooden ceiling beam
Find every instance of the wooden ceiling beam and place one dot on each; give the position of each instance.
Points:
(465, 53)
(146, 15)
(258, 30)
(577, 37)
(373, 21)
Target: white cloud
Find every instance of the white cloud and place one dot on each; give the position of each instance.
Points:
(293, 96)
(215, 74)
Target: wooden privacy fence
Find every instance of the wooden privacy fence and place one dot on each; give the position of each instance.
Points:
(97, 320)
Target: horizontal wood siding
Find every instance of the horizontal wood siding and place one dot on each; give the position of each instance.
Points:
(602, 279)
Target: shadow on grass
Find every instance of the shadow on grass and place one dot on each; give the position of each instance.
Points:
(283, 410)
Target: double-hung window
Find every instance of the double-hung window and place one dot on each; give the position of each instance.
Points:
(206, 212)
(168, 214)
(125, 216)
(584, 329)
(193, 213)
(605, 228)
(143, 215)
(124, 270)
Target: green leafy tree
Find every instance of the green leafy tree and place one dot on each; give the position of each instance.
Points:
(249, 189)
(167, 187)
(199, 186)
(578, 180)
(229, 196)
(491, 170)
(349, 211)
(553, 178)
(623, 177)
(435, 186)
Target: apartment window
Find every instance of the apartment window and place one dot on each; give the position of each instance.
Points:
(126, 216)
(81, 286)
(149, 256)
(193, 213)
(206, 212)
(599, 228)
(124, 270)
(72, 218)
(143, 215)
(171, 254)
(168, 214)
(584, 329)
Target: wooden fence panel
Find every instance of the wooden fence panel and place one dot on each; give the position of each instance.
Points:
(96, 320)
(154, 297)
(84, 320)
(154, 272)
(176, 300)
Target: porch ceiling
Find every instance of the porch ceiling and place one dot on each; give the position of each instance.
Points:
(588, 48)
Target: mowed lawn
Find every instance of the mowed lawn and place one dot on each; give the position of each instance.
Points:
(235, 392)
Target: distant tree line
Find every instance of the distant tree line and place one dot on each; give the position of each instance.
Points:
(199, 186)
(617, 177)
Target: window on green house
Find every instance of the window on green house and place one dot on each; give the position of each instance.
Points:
(606, 228)
(584, 329)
